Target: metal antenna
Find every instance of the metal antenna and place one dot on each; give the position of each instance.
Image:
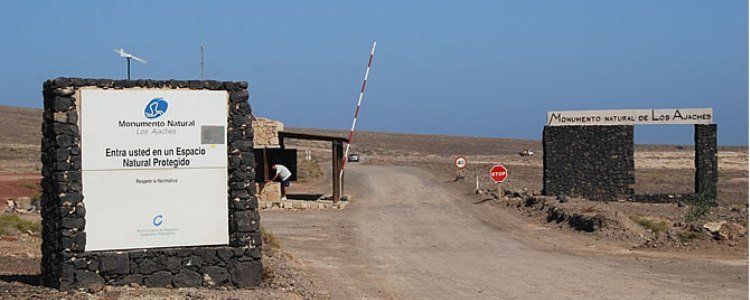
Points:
(203, 65)
(129, 57)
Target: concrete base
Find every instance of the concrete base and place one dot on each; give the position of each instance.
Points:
(301, 205)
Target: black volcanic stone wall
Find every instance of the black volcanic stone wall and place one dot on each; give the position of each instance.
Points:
(595, 162)
(66, 264)
(706, 161)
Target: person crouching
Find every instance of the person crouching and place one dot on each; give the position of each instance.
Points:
(284, 176)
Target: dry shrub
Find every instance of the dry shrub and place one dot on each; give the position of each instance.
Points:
(270, 242)
(655, 225)
(589, 209)
(12, 224)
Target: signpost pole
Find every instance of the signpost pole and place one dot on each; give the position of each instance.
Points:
(336, 170)
(476, 177)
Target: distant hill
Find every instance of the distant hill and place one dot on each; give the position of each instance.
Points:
(20, 125)
(23, 126)
(430, 144)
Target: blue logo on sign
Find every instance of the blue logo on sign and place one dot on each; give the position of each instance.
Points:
(155, 108)
(157, 220)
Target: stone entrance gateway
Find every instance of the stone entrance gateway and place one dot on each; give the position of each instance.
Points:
(590, 153)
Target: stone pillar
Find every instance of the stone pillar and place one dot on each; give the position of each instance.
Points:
(63, 210)
(706, 161)
(595, 162)
(266, 132)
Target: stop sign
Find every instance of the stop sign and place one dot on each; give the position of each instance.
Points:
(498, 173)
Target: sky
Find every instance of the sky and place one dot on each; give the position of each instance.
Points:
(477, 68)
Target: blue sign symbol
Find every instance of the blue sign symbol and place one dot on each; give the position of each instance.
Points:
(158, 220)
(155, 108)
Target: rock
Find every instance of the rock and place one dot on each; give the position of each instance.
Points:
(246, 274)
(85, 278)
(187, 278)
(729, 231)
(713, 227)
(217, 275)
(70, 223)
(737, 208)
(673, 234)
(158, 279)
(62, 103)
(95, 288)
(60, 117)
(147, 266)
(66, 91)
(173, 264)
(23, 203)
(133, 280)
(115, 264)
(562, 198)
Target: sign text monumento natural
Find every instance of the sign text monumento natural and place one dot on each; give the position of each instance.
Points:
(631, 117)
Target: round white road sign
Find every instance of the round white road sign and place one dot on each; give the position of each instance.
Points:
(460, 162)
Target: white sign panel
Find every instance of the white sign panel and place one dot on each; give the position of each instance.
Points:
(154, 165)
(631, 117)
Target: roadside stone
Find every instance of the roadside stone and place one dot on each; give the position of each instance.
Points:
(730, 231)
(672, 234)
(713, 227)
(23, 203)
(95, 288)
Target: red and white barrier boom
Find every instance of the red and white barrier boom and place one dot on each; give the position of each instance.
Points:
(356, 111)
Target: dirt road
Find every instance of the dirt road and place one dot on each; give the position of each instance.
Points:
(407, 235)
